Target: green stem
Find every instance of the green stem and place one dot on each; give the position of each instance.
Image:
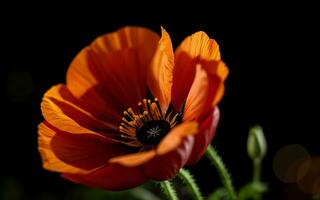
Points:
(256, 174)
(256, 170)
(188, 179)
(223, 173)
(168, 190)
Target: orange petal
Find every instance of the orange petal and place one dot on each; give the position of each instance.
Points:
(74, 153)
(219, 72)
(135, 159)
(166, 166)
(176, 136)
(207, 130)
(194, 49)
(111, 72)
(160, 73)
(183, 76)
(49, 159)
(111, 177)
(83, 84)
(58, 109)
(200, 45)
(198, 95)
(207, 89)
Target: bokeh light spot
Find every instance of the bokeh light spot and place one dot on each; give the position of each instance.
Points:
(310, 183)
(291, 163)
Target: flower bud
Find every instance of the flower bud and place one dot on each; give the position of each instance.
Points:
(256, 144)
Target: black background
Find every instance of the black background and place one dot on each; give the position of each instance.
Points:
(272, 52)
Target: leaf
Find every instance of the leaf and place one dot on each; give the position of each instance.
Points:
(218, 194)
(251, 190)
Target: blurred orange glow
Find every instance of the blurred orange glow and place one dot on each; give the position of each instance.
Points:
(291, 163)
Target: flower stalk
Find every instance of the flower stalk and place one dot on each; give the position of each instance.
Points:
(168, 190)
(225, 177)
(256, 149)
(256, 170)
(188, 179)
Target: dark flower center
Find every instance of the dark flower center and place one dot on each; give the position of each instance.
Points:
(146, 126)
(152, 132)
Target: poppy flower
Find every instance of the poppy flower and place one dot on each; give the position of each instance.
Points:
(132, 109)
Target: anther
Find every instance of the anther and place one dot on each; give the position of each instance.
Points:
(147, 126)
(159, 108)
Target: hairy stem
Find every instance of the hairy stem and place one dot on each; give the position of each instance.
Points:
(188, 179)
(225, 177)
(168, 190)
